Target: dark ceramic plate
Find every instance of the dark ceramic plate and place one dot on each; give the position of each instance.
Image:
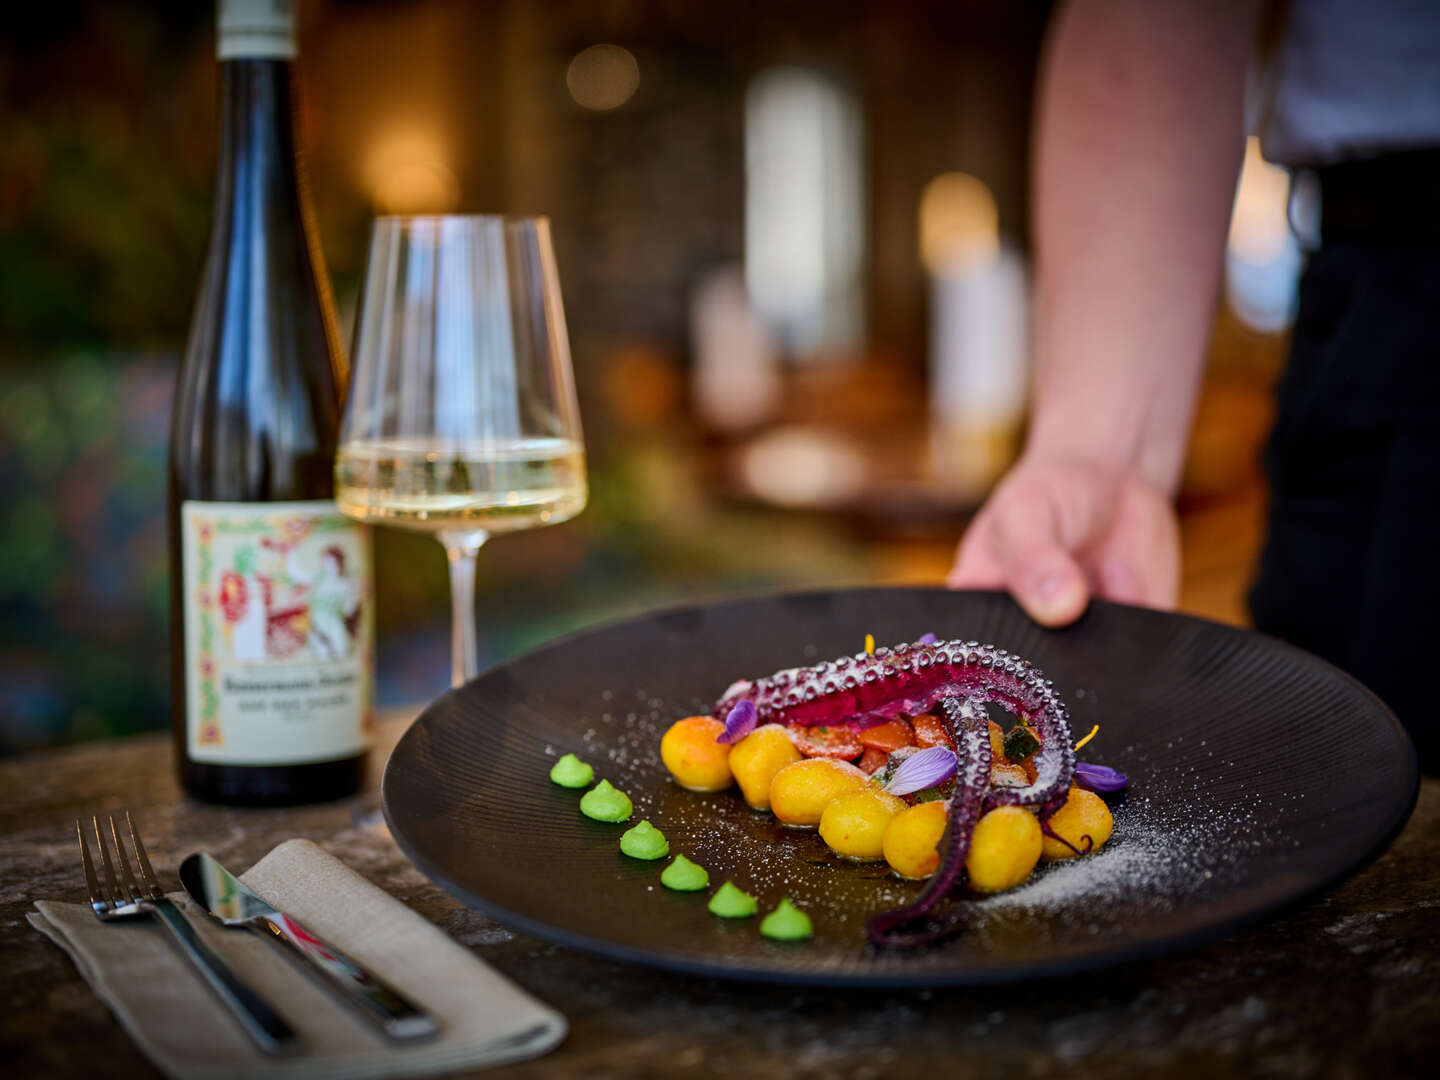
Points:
(1258, 775)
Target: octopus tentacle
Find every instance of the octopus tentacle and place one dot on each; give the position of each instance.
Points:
(1046, 830)
(1054, 765)
(960, 678)
(967, 725)
(867, 689)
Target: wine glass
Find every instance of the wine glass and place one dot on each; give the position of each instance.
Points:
(461, 418)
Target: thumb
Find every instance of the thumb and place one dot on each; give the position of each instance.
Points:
(1042, 574)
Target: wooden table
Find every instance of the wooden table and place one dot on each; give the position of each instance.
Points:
(1347, 985)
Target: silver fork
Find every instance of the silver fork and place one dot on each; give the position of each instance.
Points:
(129, 899)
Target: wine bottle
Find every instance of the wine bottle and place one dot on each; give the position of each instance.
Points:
(271, 607)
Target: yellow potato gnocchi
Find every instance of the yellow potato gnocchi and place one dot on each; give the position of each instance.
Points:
(854, 823)
(1083, 814)
(882, 748)
(755, 760)
(800, 792)
(1004, 848)
(692, 755)
(912, 839)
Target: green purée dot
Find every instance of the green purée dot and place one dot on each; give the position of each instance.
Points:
(729, 902)
(644, 841)
(682, 875)
(787, 923)
(605, 802)
(571, 772)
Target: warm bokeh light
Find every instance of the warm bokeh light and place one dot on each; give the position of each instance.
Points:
(1262, 264)
(801, 466)
(603, 77)
(805, 209)
(1258, 225)
(736, 195)
(642, 386)
(735, 375)
(959, 222)
(407, 171)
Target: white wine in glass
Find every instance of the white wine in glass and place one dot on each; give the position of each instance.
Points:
(461, 419)
(498, 487)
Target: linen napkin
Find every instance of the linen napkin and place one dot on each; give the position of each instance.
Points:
(165, 1005)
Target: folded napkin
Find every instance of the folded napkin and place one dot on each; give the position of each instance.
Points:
(165, 1005)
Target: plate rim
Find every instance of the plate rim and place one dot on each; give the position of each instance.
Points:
(1001, 975)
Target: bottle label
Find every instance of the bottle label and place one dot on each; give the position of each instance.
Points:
(279, 619)
(255, 30)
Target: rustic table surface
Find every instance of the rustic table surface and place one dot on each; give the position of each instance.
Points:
(1345, 985)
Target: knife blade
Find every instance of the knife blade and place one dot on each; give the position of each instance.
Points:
(227, 898)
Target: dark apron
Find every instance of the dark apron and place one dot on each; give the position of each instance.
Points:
(1351, 566)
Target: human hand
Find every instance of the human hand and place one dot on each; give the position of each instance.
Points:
(1057, 531)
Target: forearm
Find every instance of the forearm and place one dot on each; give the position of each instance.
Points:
(1139, 139)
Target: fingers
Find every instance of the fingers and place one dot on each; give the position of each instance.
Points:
(1055, 531)
(975, 567)
(1138, 559)
(1017, 545)
(1045, 578)
(1116, 579)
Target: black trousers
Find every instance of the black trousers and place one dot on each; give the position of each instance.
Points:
(1351, 566)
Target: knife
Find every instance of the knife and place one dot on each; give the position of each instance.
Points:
(225, 897)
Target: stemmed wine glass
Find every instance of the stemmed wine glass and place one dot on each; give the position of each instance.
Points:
(461, 418)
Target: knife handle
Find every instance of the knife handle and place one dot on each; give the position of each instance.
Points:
(398, 1017)
(260, 1021)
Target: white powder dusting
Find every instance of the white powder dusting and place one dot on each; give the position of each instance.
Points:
(1157, 858)
(1163, 852)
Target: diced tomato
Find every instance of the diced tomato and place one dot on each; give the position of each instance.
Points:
(872, 760)
(930, 731)
(822, 740)
(891, 735)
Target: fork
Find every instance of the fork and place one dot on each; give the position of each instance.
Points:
(129, 899)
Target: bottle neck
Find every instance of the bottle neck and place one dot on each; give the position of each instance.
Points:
(257, 133)
(262, 203)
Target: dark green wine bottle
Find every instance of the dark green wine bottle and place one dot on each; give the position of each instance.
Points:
(271, 605)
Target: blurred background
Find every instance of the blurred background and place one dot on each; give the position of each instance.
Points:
(793, 244)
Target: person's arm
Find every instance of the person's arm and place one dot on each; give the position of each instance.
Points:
(1140, 134)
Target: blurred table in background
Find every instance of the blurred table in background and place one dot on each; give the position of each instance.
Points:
(83, 569)
(1220, 543)
(853, 452)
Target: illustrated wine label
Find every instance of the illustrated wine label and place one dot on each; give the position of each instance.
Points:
(279, 620)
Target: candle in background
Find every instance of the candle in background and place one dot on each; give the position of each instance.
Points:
(979, 335)
(736, 360)
(805, 213)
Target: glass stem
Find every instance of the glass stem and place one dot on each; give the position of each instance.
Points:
(460, 549)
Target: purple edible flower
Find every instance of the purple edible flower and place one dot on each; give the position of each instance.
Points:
(919, 771)
(739, 723)
(1098, 777)
(926, 638)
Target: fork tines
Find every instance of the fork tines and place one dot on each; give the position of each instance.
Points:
(124, 892)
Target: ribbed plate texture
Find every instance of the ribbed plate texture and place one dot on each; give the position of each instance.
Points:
(1258, 774)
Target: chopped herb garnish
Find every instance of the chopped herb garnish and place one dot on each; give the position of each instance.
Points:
(1020, 743)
